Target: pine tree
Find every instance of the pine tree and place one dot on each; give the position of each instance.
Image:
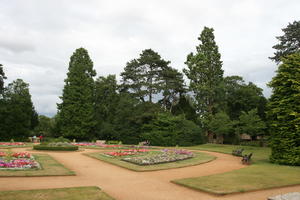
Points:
(289, 43)
(142, 76)
(18, 112)
(76, 112)
(106, 102)
(205, 73)
(284, 112)
(2, 77)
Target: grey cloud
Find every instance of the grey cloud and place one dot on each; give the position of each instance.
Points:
(37, 38)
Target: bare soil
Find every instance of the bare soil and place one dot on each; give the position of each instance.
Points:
(123, 184)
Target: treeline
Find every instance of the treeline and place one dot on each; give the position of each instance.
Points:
(153, 102)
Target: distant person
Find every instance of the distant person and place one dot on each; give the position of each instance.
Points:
(34, 139)
(41, 138)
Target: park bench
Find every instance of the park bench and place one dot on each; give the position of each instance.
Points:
(237, 152)
(246, 159)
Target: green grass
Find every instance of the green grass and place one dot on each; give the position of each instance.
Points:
(76, 193)
(50, 167)
(198, 159)
(260, 175)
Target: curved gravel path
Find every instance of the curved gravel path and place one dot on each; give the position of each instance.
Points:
(123, 184)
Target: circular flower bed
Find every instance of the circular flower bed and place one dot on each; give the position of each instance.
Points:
(18, 161)
(57, 146)
(165, 156)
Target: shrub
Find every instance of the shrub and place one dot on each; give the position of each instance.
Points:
(169, 130)
(59, 139)
(113, 142)
(55, 148)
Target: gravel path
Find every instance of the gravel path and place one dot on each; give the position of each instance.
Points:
(123, 184)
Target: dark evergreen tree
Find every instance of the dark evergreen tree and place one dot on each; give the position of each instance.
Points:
(18, 112)
(284, 112)
(240, 96)
(76, 112)
(289, 43)
(172, 87)
(106, 102)
(2, 77)
(142, 76)
(205, 73)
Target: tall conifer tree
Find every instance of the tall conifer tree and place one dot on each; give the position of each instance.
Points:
(205, 72)
(76, 112)
(284, 112)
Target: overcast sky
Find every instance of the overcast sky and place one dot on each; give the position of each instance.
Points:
(37, 37)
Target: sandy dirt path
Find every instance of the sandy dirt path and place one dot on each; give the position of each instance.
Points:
(124, 184)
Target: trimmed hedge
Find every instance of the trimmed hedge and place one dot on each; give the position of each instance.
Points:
(55, 148)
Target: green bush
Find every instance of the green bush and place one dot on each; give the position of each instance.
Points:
(59, 139)
(113, 142)
(56, 148)
(169, 130)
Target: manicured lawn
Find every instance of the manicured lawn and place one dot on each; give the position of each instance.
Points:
(198, 159)
(260, 175)
(50, 167)
(76, 193)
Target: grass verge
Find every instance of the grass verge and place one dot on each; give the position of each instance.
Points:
(76, 193)
(50, 167)
(260, 175)
(198, 159)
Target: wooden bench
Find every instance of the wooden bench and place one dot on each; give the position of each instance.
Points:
(238, 152)
(246, 159)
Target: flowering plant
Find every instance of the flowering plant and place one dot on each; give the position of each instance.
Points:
(3, 154)
(11, 144)
(20, 160)
(21, 155)
(164, 156)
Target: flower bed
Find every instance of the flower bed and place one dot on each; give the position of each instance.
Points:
(12, 144)
(126, 152)
(165, 156)
(18, 161)
(90, 144)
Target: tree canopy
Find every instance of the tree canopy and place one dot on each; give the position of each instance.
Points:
(284, 112)
(289, 43)
(76, 112)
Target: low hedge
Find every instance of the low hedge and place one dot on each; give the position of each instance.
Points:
(55, 148)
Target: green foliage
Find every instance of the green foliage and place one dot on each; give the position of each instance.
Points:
(106, 101)
(168, 130)
(289, 43)
(221, 125)
(45, 127)
(76, 112)
(240, 96)
(205, 73)
(130, 117)
(284, 112)
(141, 76)
(55, 140)
(55, 148)
(185, 107)
(251, 124)
(172, 85)
(17, 114)
(2, 77)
